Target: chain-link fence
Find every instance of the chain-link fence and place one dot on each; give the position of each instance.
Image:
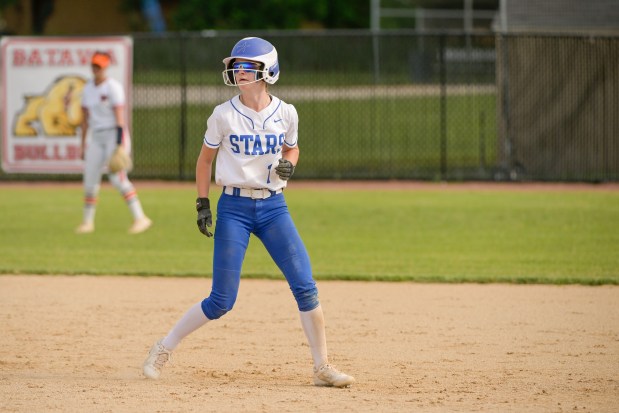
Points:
(395, 104)
(387, 106)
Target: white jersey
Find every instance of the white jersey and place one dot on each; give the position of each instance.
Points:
(100, 100)
(250, 143)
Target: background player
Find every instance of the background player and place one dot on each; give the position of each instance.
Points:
(103, 101)
(254, 136)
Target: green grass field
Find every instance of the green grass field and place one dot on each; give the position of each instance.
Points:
(422, 235)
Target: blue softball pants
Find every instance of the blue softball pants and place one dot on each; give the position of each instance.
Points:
(268, 219)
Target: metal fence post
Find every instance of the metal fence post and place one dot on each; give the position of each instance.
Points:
(482, 140)
(183, 115)
(443, 80)
(502, 68)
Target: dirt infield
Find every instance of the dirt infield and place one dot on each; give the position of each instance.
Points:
(77, 344)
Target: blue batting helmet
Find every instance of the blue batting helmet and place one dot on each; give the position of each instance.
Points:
(257, 50)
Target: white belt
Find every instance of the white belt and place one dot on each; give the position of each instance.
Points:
(261, 193)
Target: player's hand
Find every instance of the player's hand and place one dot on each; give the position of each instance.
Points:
(205, 218)
(285, 169)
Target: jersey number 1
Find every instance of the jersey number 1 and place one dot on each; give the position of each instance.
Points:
(269, 175)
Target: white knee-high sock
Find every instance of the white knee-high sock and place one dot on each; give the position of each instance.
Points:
(122, 183)
(313, 323)
(90, 207)
(89, 213)
(136, 208)
(193, 319)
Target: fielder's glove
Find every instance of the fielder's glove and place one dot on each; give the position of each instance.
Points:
(205, 218)
(120, 161)
(285, 169)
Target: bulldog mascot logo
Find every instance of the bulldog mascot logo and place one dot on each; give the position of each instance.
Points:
(57, 112)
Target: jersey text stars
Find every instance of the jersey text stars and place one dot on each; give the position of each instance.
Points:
(256, 144)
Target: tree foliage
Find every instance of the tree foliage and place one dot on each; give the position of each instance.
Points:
(269, 14)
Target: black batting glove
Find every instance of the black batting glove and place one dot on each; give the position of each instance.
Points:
(205, 218)
(285, 169)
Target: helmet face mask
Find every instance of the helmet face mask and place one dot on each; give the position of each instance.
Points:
(246, 66)
(253, 49)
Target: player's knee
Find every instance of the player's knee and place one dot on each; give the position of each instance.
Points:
(213, 309)
(115, 180)
(307, 300)
(119, 182)
(91, 191)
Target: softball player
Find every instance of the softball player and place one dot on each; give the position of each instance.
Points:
(254, 136)
(103, 101)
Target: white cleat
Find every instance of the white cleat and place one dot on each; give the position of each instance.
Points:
(157, 358)
(327, 375)
(85, 228)
(140, 225)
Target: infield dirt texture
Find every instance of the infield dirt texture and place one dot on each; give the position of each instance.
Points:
(77, 343)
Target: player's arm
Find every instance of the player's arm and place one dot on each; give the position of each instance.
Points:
(119, 115)
(290, 157)
(85, 115)
(204, 168)
(291, 154)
